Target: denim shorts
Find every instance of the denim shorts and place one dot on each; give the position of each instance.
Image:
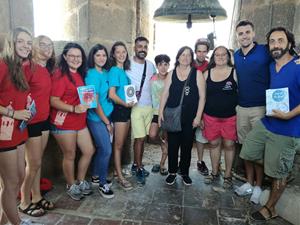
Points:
(55, 130)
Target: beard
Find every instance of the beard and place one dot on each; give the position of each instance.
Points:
(277, 53)
(141, 55)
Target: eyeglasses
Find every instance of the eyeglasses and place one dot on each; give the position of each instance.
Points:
(221, 55)
(73, 57)
(44, 46)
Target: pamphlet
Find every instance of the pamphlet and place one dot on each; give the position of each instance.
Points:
(277, 99)
(87, 95)
(130, 95)
(32, 109)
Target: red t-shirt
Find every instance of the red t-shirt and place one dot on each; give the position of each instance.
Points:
(202, 67)
(67, 91)
(11, 97)
(40, 88)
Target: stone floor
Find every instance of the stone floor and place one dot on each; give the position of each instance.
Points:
(154, 204)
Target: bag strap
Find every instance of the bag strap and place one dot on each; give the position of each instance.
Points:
(185, 83)
(143, 77)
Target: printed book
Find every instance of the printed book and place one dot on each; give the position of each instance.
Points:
(32, 109)
(87, 95)
(277, 99)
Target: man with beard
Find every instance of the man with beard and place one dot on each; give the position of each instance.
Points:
(201, 51)
(252, 67)
(274, 140)
(140, 73)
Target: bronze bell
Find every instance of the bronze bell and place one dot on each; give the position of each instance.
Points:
(183, 10)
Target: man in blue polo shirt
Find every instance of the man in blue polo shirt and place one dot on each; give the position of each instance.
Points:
(252, 66)
(275, 139)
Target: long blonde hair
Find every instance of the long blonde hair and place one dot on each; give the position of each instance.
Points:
(13, 61)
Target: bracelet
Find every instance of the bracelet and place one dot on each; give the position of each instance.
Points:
(107, 124)
(10, 113)
(7, 113)
(13, 113)
(73, 109)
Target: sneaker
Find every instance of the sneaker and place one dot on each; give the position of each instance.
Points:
(105, 191)
(245, 189)
(95, 180)
(171, 178)
(140, 176)
(85, 187)
(211, 178)
(187, 180)
(202, 168)
(256, 195)
(29, 222)
(133, 169)
(74, 192)
(146, 172)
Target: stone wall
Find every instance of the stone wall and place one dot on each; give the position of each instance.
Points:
(266, 14)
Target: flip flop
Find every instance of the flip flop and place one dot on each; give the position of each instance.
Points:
(258, 216)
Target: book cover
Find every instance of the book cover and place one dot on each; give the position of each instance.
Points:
(87, 95)
(32, 109)
(130, 95)
(277, 99)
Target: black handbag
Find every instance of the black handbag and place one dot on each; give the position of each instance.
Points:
(172, 115)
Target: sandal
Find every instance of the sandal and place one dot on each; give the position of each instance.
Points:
(155, 168)
(227, 184)
(33, 210)
(45, 204)
(258, 216)
(211, 178)
(125, 184)
(163, 171)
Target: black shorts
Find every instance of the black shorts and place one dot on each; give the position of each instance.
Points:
(35, 130)
(11, 148)
(155, 119)
(120, 114)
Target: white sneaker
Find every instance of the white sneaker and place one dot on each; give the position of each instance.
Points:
(245, 189)
(256, 195)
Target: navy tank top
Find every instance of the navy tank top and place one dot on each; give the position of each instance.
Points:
(221, 97)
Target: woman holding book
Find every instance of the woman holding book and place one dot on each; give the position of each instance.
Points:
(68, 119)
(121, 113)
(43, 60)
(98, 119)
(14, 91)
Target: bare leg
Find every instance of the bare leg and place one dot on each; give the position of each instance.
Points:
(67, 143)
(36, 190)
(12, 174)
(200, 150)
(229, 148)
(249, 166)
(259, 174)
(120, 134)
(139, 150)
(215, 155)
(85, 144)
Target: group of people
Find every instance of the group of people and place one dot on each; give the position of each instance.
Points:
(221, 103)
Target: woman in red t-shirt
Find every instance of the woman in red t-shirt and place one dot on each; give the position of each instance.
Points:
(14, 92)
(43, 60)
(68, 119)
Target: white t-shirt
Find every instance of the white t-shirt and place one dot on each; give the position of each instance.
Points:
(135, 75)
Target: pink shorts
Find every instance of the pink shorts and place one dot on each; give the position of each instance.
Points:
(215, 128)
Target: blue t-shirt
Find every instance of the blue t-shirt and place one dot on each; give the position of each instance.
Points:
(118, 78)
(253, 75)
(288, 76)
(100, 81)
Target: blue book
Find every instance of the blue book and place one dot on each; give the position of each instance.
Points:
(87, 95)
(32, 109)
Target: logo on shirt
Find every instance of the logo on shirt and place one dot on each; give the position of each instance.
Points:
(228, 86)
